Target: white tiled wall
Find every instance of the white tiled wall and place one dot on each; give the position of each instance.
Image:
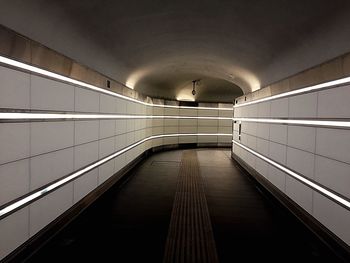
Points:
(46, 209)
(51, 166)
(106, 147)
(320, 154)
(279, 108)
(85, 184)
(264, 109)
(303, 106)
(333, 174)
(332, 215)
(302, 138)
(333, 143)
(51, 136)
(15, 176)
(15, 138)
(107, 104)
(300, 193)
(278, 133)
(38, 153)
(46, 94)
(14, 89)
(85, 154)
(86, 100)
(301, 162)
(86, 131)
(340, 105)
(15, 229)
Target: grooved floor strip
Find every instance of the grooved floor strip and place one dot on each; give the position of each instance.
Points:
(190, 237)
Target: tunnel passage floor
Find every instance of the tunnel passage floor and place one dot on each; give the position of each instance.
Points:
(131, 223)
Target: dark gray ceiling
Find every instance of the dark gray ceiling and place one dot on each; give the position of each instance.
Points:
(158, 47)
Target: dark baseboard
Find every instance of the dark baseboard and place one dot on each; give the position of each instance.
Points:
(169, 147)
(214, 145)
(334, 243)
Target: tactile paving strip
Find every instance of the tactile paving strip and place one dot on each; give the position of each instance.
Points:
(190, 237)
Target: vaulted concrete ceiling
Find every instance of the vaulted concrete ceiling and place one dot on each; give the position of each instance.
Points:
(158, 46)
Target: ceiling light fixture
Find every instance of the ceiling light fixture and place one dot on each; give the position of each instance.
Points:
(194, 83)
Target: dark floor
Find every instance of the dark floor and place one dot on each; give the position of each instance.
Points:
(130, 223)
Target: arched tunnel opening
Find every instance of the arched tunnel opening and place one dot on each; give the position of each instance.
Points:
(174, 131)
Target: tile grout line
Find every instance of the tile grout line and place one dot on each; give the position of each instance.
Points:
(30, 152)
(74, 147)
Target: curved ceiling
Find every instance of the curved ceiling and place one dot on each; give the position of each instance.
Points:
(158, 47)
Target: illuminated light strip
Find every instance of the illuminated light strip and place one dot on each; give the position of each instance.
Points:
(56, 116)
(328, 84)
(46, 73)
(8, 209)
(337, 124)
(306, 181)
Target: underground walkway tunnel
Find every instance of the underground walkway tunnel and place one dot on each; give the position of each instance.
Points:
(174, 131)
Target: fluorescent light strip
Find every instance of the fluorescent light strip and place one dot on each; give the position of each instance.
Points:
(337, 124)
(46, 73)
(328, 84)
(7, 210)
(52, 116)
(311, 184)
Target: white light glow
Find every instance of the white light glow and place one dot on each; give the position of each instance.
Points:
(313, 185)
(184, 98)
(56, 76)
(26, 200)
(67, 116)
(185, 94)
(337, 124)
(299, 91)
